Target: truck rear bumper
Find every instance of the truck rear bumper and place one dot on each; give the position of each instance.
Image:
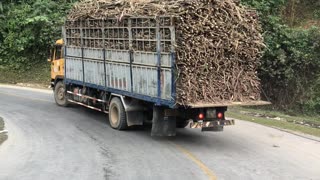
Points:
(211, 125)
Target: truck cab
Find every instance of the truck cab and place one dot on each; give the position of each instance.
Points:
(56, 58)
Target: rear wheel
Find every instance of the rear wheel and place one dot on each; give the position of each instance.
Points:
(117, 114)
(60, 94)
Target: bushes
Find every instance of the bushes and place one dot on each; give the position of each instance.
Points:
(27, 29)
(290, 68)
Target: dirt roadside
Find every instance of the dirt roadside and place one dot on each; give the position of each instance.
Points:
(33, 85)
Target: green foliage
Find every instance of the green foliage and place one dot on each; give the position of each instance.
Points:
(265, 7)
(312, 105)
(290, 68)
(27, 29)
(316, 14)
(39, 75)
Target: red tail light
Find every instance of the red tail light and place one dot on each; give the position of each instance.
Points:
(201, 116)
(220, 115)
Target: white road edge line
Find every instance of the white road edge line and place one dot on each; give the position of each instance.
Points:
(48, 91)
(305, 136)
(299, 134)
(4, 131)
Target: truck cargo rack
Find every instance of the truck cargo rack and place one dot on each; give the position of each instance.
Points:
(134, 56)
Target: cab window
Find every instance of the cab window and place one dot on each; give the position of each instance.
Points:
(58, 54)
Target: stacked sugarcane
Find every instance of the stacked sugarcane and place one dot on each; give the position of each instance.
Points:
(218, 44)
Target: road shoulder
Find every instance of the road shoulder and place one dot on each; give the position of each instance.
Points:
(29, 88)
(3, 132)
(279, 122)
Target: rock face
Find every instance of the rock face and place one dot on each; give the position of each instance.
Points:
(218, 44)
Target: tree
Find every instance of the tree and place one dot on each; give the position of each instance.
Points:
(30, 27)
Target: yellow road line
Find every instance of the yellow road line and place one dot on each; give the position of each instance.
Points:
(202, 166)
(24, 97)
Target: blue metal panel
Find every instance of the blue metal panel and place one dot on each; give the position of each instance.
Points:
(93, 53)
(83, 70)
(104, 67)
(65, 61)
(118, 76)
(145, 80)
(73, 51)
(73, 68)
(158, 60)
(173, 71)
(94, 71)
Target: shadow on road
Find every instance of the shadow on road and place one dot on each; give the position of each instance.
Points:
(187, 136)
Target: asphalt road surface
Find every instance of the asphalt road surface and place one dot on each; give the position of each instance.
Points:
(50, 142)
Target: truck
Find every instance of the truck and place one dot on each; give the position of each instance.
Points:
(95, 66)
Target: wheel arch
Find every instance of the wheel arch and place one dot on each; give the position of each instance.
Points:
(56, 80)
(121, 98)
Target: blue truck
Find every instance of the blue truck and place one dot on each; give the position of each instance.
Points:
(128, 69)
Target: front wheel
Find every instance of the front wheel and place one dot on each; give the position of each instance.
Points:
(60, 94)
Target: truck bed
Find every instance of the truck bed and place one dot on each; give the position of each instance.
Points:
(116, 57)
(228, 103)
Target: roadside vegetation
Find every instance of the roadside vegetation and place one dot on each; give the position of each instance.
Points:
(3, 136)
(40, 76)
(289, 71)
(298, 123)
(28, 28)
(290, 67)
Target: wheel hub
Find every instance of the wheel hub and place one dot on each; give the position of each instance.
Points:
(114, 115)
(61, 94)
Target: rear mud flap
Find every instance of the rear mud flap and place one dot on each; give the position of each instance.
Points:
(162, 125)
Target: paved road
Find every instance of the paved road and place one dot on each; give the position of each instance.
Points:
(50, 142)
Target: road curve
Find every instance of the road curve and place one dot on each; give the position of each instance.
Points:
(51, 142)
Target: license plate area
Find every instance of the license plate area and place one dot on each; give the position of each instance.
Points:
(211, 125)
(211, 113)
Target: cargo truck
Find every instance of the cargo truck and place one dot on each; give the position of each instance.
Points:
(95, 66)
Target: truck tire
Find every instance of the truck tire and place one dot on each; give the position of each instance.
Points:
(60, 94)
(117, 115)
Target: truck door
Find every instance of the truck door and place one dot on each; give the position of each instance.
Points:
(57, 63)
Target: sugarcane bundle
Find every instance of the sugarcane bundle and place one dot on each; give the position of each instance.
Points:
(218, 44)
